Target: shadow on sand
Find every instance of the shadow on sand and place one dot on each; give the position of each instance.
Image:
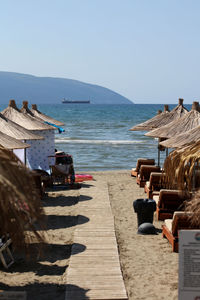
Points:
(48, 291)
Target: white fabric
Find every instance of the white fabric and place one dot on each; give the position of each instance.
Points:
(168, 224)
(156, 198)
(37, 154)
(20, 153)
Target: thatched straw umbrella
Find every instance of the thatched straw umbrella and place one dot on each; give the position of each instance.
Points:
(11, 143)
(20, 204)
(183, 124)
(16, 131)
(180, 166)
(29, 122)
(183, 139)
(162, 118)
(194, 207)
(153, 122)
(41, 117)
(37, 155)
(34, 110)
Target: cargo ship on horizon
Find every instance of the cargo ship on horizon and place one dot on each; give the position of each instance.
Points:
(76, 101)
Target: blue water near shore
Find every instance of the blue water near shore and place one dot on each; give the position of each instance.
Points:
(98, 136)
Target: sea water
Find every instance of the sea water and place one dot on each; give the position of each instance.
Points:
(98, 136)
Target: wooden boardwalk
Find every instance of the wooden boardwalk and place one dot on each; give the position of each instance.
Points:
(94, 269)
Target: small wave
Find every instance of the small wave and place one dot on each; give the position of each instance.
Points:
(113, 142)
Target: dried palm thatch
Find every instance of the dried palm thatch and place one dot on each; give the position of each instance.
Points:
(181, 167)
(24, 120)
(183, 139)
(11, 143)
(162, 118)
(183, 124)
(19, 201)
(44, 117)
(153, 122)
(194, 206)
(16, 131)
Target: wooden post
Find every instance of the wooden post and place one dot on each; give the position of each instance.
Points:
(158, 156)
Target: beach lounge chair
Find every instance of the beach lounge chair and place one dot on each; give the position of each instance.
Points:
(171, 227)
(154, 184)
(168, 202)
(145, 172)
(141, 161)
(58, 175)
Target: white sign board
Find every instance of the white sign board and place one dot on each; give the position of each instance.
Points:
(189, 265)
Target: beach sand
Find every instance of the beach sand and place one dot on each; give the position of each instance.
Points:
(149, 267)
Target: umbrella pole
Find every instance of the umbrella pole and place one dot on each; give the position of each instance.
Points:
(167, 152)
(158, 156)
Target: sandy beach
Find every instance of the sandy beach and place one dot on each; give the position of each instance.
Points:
(149, 268)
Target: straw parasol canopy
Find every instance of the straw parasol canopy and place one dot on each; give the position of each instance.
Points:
(183, 139)
(42, 116)
(181, 164)
(16, 131)
(187, 122)
(27, 121)
(20, 203)
(162, 118)
(11, 143)
(194, 206)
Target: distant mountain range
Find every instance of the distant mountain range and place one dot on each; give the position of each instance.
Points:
(52, 90)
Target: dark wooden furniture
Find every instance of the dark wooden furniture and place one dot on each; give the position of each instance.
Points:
(141, 161)
(145, 172)
(171, 227)
(170, 201)
(155, 184)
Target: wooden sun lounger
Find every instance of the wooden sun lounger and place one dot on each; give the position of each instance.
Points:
(141, 161)
(145, 172)
(171, 227)
(168, 202)
(154, 184)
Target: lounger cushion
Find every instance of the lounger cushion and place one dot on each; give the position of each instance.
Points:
(156, 198)
(168, 224)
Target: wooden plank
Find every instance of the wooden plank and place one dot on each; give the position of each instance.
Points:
(117, 285)
(94, 233)
(95, 295)
(93, 271)
(106, 252)
(89, 279)
(93, 259)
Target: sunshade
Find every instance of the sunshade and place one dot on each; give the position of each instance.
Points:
(187, 122)
(20, 204)
(44, 117)
(183, 139)
(27, 121)
(162, 119)
(11, 143)
(16, 131)
(180, 165)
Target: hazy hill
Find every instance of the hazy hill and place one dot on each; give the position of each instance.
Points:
(53, 90)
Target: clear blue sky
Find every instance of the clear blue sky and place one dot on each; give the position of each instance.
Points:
(146, 50)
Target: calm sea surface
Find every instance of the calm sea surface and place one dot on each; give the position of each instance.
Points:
(98, 136)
